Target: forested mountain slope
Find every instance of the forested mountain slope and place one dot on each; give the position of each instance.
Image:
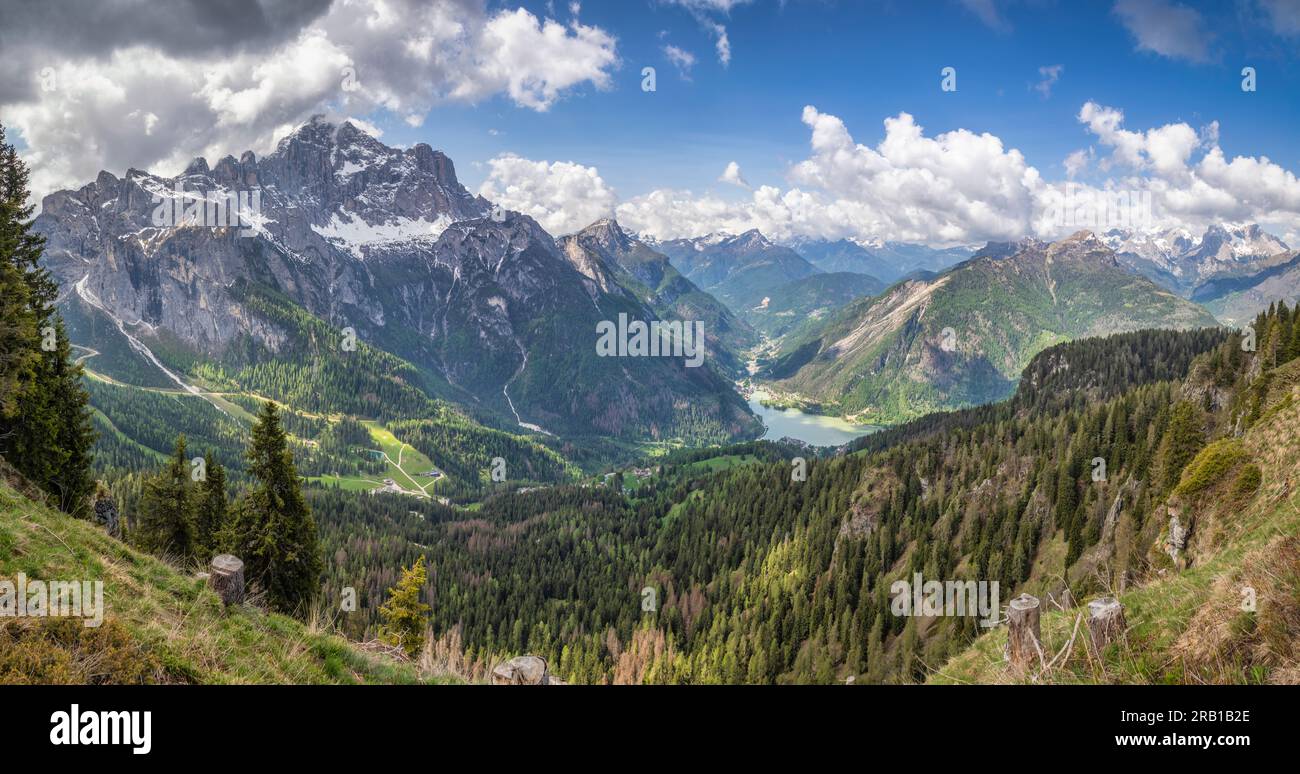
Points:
(607, 254)
(757, 576)
(963, 337)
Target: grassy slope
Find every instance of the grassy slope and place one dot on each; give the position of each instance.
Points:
(173, 625)
(1187, 626)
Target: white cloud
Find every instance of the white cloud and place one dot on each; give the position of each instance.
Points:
(959, 186)
(987, 11)
(1163, 149)
(723, 44)
(1051, 74)
(1077, 162)
(533, 61)
(1284, 16)
(1166, 28)
(705, 6)
(683, 60)
(563, 196)
(732, 175)
(704, 12)
(142, 106)
(956, 187)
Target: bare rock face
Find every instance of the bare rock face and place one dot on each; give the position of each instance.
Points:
(164, 253)
(1177, 540)
(524, 670)
(1127, 490)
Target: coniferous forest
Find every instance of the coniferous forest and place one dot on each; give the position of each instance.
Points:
(684, 342)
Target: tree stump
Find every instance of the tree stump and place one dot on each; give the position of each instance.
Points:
(1022, 630)
(522, 670)
(1105, 621)
(227, 579)
(106, 515)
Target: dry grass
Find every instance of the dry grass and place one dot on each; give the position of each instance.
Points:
(173, 620)
(1250, 625)
(1188, 626)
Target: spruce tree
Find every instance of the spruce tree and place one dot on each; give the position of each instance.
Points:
(405, 616)
(1183, 438)
(210, 515)
(272, 529)
(45, 428)
(165, 522)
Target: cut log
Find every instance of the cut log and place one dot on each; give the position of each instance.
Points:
(227, 579)
(1105, 621)
(1023, 642)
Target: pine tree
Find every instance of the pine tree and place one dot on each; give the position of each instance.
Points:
(405, 616)
(210, 516)
(1183, 438)
(272, 528)
(165, 524)
(45, 427)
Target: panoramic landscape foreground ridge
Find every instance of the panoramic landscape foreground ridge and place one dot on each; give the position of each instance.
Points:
(463, 342)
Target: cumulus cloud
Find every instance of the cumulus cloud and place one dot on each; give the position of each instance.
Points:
(1166, 28)
(961, 187)
(152, 105)
(955, 187)
(732, 175)
(563, 196)
(1163, 149)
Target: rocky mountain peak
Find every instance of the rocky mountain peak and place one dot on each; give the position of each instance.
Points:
(752, 239)
(607, 234)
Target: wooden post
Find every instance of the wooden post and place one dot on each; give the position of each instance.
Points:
(1105, 621)
(1022, 631)
(227, 579)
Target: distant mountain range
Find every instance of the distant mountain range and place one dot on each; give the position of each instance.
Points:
(497, 316)
(963, 337)
(1234, 270)
(740, 270)
(387, 242)
(886, 261)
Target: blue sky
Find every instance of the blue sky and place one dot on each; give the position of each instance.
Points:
(540, 105)
(863, 62)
